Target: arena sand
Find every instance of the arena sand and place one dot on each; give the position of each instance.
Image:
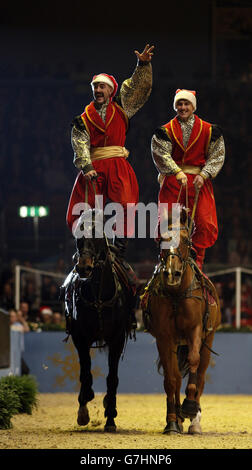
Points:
(226, 423)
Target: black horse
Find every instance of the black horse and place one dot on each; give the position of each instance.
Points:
(98, 304)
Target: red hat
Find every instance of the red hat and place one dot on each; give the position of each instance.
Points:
(189, 95)
(46, 310)
(108, 79)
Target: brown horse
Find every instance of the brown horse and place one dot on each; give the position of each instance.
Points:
(181, 310)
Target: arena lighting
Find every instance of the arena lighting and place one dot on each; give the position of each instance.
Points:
(33, 211)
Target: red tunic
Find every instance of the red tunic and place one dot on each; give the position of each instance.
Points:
(116, 178)
(194, 155)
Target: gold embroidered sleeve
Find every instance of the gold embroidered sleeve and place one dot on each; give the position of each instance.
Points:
(215, 158)
(81, 146)
(136, 90)
(161, 154)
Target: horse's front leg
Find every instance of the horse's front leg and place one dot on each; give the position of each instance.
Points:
(172, 382)
(86, 392)
(109, 402)
(190, 406)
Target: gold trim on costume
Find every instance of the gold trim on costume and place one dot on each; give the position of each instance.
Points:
(175, 137)
(191, 169)
(167, 132)
(85, 124)
(113, 113)
(201, 126)
(100, 153)
(97, 125)
(94, 123)
(125, 115)
(179, 143)
(209, 138)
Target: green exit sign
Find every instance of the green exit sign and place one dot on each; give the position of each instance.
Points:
(33, 211)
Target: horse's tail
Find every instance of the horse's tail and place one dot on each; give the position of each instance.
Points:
(183, 364)
(159, 366)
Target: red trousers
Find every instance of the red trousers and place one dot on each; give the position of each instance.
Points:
(116, 181)
(205, 219)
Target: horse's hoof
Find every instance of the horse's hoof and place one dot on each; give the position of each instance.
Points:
(83, 416)
(172, 428)
(180, 425)
(110, 425)
(110, 428)
(189, 408)
(195, 429)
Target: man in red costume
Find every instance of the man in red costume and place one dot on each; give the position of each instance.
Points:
(98, 139)
(190, 152)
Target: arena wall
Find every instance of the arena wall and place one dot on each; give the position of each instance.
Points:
(55, 364)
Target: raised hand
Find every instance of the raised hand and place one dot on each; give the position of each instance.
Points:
(146, 55)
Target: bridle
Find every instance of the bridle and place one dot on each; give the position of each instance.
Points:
(167, 254)
(189, 227)
(98, 303)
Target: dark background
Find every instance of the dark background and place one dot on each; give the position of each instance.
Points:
(49, 53)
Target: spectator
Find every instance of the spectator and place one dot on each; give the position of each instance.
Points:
(57, 319)
(46, 315)
(7, 297)
(18, 323)
(25, 310)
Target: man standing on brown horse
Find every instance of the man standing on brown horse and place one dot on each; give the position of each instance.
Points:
(189, 152)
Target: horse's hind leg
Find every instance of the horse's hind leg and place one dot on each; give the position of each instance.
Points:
(86, 393)
(109, 402)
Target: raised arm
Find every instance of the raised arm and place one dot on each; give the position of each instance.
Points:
(136, 90)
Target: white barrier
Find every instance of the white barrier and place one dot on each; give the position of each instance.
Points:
(238, 272)
(37, 272)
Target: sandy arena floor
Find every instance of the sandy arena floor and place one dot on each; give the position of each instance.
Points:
(226, 424)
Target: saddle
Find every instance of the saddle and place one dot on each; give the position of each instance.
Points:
(126, 275)
(124, 271)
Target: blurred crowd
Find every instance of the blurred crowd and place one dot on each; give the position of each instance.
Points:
(41, 310)
(40, 307)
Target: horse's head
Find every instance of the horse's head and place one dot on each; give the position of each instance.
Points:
(91, 243)
(175, 245)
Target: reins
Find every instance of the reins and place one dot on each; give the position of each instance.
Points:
(194, 206)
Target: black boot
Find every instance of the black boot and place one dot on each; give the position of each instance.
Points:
(121, 246)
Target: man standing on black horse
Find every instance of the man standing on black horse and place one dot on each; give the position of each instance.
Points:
(98, 139)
